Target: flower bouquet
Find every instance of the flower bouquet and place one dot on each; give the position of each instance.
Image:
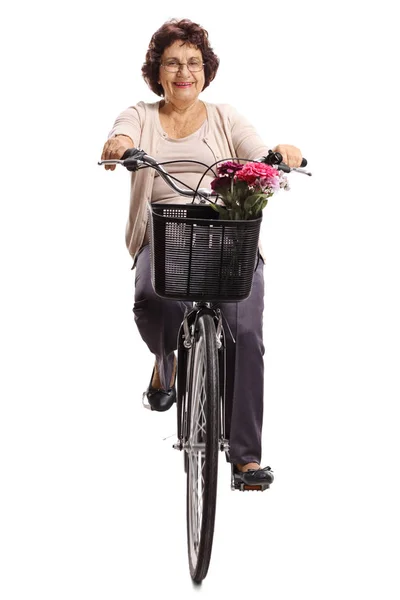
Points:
(245, 188)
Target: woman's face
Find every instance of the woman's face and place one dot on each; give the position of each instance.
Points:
(184, 86)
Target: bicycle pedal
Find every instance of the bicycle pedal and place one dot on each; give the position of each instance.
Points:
(244, 487)
(254, 488)
(238, 484)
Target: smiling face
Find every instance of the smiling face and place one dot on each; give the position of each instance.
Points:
(181, 88)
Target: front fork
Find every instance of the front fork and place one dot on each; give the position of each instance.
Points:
(186, 336)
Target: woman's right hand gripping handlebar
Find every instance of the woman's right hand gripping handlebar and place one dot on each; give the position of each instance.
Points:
(115, 148)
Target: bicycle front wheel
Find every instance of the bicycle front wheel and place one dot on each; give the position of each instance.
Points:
(202, 446)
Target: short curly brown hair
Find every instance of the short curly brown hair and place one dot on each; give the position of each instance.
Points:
(190, 33)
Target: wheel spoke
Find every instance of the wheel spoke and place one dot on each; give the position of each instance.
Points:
(200, 424)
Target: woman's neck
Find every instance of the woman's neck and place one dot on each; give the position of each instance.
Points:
(180, 111)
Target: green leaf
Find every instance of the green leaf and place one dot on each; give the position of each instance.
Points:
(221, 210)
(251, 201)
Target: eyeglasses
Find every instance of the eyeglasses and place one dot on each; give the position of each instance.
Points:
(173, 66)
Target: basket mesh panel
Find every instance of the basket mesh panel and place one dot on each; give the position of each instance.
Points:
(198, 257)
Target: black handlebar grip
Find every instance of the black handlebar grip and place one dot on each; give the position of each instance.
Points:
(131, 158)
(275, 158)
(128, 153)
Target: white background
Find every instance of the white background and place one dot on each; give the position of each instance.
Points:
(92, 498)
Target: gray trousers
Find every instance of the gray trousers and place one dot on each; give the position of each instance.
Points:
(158, 321)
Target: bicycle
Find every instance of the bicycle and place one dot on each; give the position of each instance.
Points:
(194, 256)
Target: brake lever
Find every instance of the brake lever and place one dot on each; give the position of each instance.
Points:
(131, 157)
(136, 153)
(275, 159)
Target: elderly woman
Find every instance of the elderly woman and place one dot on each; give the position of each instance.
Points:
(179, 65)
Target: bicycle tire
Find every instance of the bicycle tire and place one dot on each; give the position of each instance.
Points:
(202, 463)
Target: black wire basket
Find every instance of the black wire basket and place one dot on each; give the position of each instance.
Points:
(196, 256)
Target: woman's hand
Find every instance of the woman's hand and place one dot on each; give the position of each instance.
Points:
(114, 148)
(291, 155)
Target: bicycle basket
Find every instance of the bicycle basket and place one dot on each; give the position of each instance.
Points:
(197, 256)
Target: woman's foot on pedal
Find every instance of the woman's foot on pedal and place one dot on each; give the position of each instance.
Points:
(248, 467)
(253, 474)
(158, 398)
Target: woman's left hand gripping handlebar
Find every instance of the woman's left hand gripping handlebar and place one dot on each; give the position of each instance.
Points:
(115, 148)
(291, 155)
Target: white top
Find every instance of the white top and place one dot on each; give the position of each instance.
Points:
(192, 147)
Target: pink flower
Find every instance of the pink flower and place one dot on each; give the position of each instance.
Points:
(272, 183)
(229, 168)
(253, 171)
(221, 184)
(236, 183)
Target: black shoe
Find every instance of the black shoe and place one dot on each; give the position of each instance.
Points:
(258, 479)
(160, 400)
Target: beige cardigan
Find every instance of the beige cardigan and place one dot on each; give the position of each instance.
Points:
(229, 135)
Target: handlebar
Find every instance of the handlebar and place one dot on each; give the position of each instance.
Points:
(275, 159)
(135, 158)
